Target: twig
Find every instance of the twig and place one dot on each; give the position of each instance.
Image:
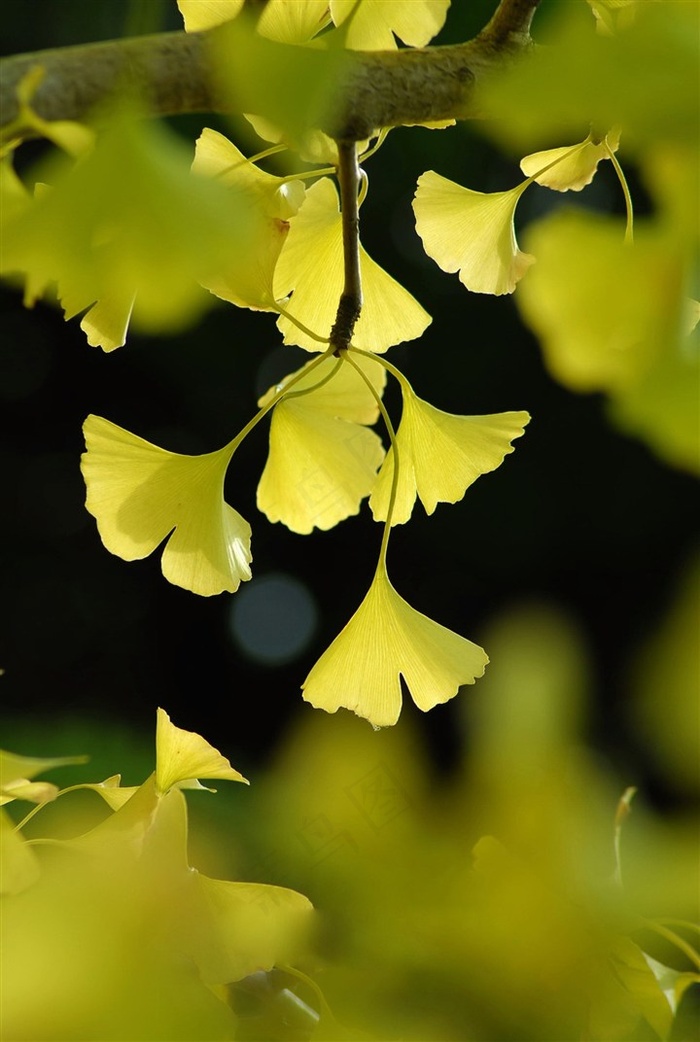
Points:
(350, 303)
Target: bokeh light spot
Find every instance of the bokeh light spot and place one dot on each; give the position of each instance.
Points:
(273, 620)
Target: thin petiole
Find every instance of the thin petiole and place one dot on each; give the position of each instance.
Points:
(233, 445)
(381, 564)
(300, 325)
(629, 229)
(321, 383)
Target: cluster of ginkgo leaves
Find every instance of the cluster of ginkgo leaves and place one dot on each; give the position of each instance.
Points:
(128, 230)
(124, 920)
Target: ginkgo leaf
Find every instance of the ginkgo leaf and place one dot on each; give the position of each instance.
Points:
(74, 138)
(242, 928)
(297, 22)
(111, 790)
(471, 232)
(292, 85)
(128, 225)
(581, 79)
(322, 460)
(387, 639)
(246, 277)
(604, 309)
(14, 767)
(19, 866)
(310, 267)
(613, 15)
(33, 792)
(205, 14)
(217, 157)
(441, 455)
(184, 756)
(572, 167)
(613, 317)
(376, 23)
(106, 322)
(140, 494)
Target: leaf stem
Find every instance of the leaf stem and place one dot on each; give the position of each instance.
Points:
(350, 303)
(405, 385)
(234, 444)
(300, 325)
(678, 942)
(381, 563)
(629, 229)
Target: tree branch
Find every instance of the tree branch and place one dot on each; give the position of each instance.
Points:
(174, 74)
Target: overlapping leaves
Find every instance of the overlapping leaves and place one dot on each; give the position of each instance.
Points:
(117, 918)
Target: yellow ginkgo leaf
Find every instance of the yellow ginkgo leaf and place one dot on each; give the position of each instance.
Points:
(245, 278)
(310, 268)
(377, 22)
(572, 167)
(604, 310)
(106, 322)
(74, 138)
(140, 494)
(127, 226)
(14, 767)
(471, 232)
(613, 15)
(33, 792)
(322, 460)
(185, 756)
(241, 928)
(387, 639)
(19, 866)
(111, 790)
(205, 14)
(613, 316)
(297, 22)
(441, 455)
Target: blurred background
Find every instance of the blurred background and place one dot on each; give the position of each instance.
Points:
(580, 519)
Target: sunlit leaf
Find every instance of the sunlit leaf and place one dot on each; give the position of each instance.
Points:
(640, 983)
(141, 494)
(322, 460)
(310, 267)
(183, 755)
(14, 767)
(582, 77)
(387, 639)
(205, 14)
(129, 227)
(291, 85)
(471, 233)
(574, 166)
(612, 317)
(19, 867)
(441, 455)
(376, 23)
(246, 278)
(297, 22)
(33, 792)
(242, 928)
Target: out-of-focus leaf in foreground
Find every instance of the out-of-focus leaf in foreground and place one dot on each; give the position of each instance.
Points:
(613, 316)
(488, 906)
(578, 77)
(124, 939)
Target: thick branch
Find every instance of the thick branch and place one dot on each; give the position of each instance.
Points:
(174, 73)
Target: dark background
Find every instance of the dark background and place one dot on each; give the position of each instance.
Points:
(579, 516)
